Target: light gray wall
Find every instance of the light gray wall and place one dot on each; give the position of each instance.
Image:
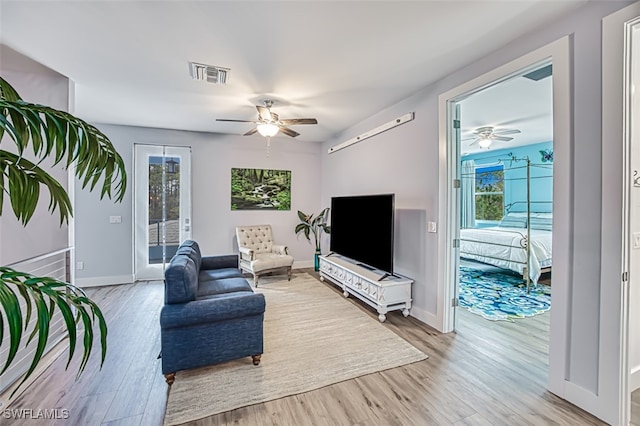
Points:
(106, 249)
(404, 160)
(43, 234)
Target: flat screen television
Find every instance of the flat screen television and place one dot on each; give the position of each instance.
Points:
(362, 229)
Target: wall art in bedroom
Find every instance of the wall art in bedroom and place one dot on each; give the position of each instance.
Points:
(260, 189)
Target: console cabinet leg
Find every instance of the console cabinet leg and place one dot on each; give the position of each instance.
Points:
(256, 359)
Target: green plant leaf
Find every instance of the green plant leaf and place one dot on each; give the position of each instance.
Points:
(300, 227)
(47, 294)
(302, 216)
(11, 307)
(49, 130)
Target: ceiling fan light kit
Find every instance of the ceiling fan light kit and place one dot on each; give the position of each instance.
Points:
(485, 143)
(269, 123)
(484, 136)
(209, 73)
(267, 129)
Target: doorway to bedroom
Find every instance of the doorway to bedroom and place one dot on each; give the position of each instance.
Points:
(505, 200)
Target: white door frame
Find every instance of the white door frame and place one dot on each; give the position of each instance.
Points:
(558, 53)
(142, 152)
(617, 172)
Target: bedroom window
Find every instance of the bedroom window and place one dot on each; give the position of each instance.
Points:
(489, 192)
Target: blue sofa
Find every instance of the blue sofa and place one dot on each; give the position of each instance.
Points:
(211, 314)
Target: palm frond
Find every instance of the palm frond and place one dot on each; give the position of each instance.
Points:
(47, 294)
(70, 140)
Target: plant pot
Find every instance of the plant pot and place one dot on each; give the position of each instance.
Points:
(316, 261)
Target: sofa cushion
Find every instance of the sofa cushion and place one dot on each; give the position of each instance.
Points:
(266, 261)
(191, 249)
(218, 274)
(181, 280)
(221, 286)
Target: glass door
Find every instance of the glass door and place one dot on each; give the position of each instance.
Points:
(162, 206)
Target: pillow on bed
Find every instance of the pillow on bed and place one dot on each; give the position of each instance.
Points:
(540, 222)
(513, 220)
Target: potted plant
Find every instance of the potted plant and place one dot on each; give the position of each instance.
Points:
(70, 142)
(314, 225)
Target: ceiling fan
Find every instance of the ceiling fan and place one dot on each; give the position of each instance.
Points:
(485, 135)
(269, 123)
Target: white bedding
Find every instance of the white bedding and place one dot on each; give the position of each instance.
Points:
(503, 256)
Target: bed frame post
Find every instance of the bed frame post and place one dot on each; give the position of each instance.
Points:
(527, 278)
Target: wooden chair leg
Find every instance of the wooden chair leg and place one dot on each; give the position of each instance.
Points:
(256, 359)
(170, 378)
(289, 274)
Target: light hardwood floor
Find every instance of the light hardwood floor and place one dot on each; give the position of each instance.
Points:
(487, 373)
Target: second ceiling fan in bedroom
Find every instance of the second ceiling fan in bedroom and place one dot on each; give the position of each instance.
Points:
(484, 136)
(269, 123)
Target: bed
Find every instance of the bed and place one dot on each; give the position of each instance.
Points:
(507, 244)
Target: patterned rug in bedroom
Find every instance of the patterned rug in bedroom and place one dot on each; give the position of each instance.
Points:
(501, 296)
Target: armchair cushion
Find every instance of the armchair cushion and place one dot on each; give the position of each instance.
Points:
(266, 261)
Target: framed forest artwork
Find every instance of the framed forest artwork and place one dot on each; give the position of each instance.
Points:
(260, 189)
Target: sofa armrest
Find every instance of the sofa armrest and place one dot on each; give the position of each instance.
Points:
(217, 308)
(219, 262)
(279, 249)
(246, 253)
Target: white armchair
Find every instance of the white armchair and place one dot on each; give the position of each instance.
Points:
(258, 254)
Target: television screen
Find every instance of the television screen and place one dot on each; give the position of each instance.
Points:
(362, 229)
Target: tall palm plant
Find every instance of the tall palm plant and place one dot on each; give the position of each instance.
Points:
(69, 142)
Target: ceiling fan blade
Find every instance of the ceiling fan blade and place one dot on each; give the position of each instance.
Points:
(506, 132)
(501, 138)
(251, 132)
(294, 121)
(235, 121)
(468, 138)
(474, 142)
(287, 131)
(264, 113)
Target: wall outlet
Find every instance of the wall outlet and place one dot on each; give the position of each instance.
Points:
(432, 227)
(635, 240)
(115, 219)
(79, 265)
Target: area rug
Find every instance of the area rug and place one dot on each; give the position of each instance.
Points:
(313, 338)
(497, 295)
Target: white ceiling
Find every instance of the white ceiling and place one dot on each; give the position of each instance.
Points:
(337, 61)
(518, 103)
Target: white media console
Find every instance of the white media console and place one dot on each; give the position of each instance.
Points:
(387, 294)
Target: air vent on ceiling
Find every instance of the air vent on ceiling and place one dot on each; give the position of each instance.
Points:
(209, 73)
(540, 73)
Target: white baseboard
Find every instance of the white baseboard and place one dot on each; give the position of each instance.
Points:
(102, 281)
(424, 316)
(302, 264)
